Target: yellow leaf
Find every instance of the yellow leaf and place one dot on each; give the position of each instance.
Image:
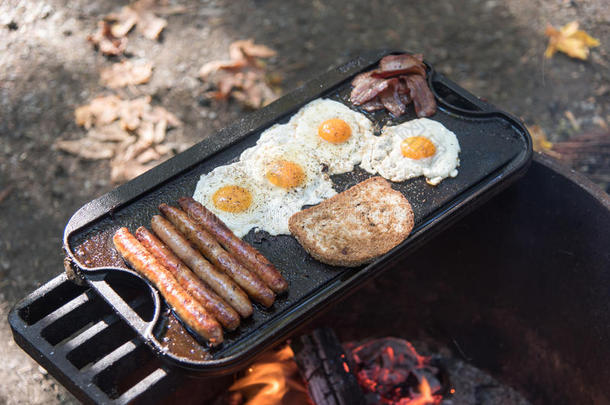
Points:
(539, 139)
(569, 40)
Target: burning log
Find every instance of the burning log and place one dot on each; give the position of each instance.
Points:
(322, 363)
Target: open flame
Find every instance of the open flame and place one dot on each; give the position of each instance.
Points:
(273, 379)
(425, 396)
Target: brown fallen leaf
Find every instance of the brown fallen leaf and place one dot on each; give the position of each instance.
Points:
(131, 133)
(123, 170)
(126, 73)
(246, 48)
(101, 110)
(88, 148)
(244, 76)
(109, 133)
(569, 40)
(106, 41)
(140, 14)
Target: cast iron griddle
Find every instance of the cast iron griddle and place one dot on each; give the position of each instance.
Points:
(495, 148)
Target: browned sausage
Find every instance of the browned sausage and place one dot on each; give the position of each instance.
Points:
(212, 250)
(188, 308)
(246, 254)
(215, 305)
(217, 280)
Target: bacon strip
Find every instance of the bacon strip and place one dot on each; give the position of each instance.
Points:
(423, 99)
(246, 254)
(367, 88)
(391, 100)
(190, 311)
(215, 305)
(212, 250)
(394, 65)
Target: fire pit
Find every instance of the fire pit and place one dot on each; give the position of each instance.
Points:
(518, 288)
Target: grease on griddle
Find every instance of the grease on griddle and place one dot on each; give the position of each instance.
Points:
(98, 251)
(174, 338)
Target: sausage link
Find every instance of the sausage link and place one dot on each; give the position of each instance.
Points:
(215, 305)
(246, 254)
(188, 309)
(217, 280)
(212, 250)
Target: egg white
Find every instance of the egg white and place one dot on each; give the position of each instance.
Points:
(339, 158)
(233, 175)
(383, 154)
(280, 203)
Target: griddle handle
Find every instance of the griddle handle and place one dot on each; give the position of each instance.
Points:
(124, 310)
(451, 96)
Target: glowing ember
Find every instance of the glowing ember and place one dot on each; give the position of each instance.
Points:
(392, 371)
(273, 379)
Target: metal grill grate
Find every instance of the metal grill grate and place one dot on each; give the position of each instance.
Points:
(78, 338)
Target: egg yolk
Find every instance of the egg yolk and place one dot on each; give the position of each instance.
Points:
(334, 130)
(417, 147)
(285, 174)
(232, 199)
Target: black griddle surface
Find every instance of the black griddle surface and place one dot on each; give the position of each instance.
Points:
(493, 147)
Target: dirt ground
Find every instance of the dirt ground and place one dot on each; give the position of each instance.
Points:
(47, 68)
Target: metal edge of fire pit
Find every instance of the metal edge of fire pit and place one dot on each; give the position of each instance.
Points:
(123, 195)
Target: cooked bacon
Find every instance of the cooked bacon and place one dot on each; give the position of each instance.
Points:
(366, 88)
(403, 90)
(423, 99)
(391, 100)
(393, 65)
(373, 105)
(398, 81)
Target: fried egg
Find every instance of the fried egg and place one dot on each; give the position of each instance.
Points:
(291, 177)
(336, 133)
(421, 147)
(229, 193)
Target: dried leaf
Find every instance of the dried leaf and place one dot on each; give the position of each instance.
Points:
(160, 129)
(150, 25)
(539, 138)
(214, 66)
(126, 73)
(109, 133)
(148, 156)
(123, 22)
(158, 114)
(243, 77)
(102, 110)
(569, 40)
(106, 41)
(111, 36)
(87, 148)
(121, 171)
(129, 132)
(247, 48)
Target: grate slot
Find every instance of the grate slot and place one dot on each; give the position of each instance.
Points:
(69, 320)
(62, 311)
(110, 337)
(126, 372)
(48, 303)
(145, 386)
(96, 332)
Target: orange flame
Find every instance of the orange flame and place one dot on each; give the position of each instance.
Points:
(425, 395)
(271, 378)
